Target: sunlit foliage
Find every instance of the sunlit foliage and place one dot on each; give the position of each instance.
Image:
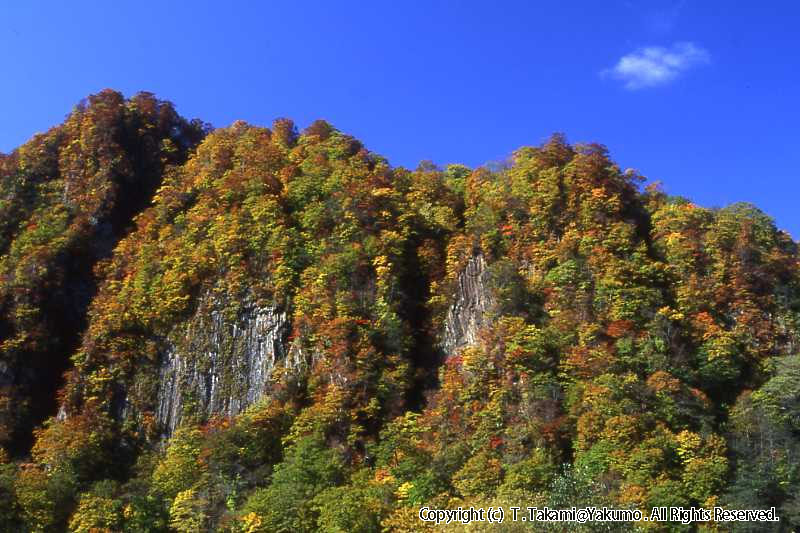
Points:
(638, 350)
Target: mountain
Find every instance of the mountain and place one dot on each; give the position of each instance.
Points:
(256, 329)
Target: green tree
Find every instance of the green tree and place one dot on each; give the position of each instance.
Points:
(287, 504)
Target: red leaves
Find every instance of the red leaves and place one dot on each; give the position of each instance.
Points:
(619, 328)
(585, 362)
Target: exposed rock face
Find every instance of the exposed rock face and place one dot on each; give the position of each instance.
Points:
(467, 313)
(222, 365)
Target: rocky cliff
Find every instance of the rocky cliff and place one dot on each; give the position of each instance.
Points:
(321, 301)
(471, 303)
(218, 364)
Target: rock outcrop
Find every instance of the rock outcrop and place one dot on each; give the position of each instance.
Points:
(219, 366)
(471, 303)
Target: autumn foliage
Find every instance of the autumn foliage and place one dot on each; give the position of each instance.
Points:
(640, 350)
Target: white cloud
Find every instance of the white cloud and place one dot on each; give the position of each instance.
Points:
(657, 65)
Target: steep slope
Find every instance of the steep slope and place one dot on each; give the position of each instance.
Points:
(295, 336)
(67, 197)
(626, 329)
(260, 230)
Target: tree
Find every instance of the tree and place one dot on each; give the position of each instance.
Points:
(287, 504)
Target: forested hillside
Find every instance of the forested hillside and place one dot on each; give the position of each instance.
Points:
(253, 329)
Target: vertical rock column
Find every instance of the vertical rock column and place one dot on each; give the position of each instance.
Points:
(220, 367)
(471, 303)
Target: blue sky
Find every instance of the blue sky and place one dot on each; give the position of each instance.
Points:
(700, 95)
